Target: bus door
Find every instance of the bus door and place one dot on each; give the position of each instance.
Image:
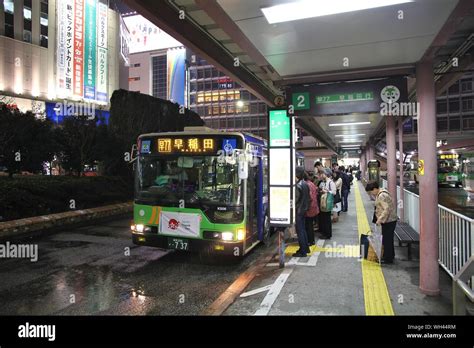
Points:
(252, 201)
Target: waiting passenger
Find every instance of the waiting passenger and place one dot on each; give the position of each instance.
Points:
(313, 210)
(345, 189)
(302, 206)
(326, 186)
(385, 215)
(336, 177)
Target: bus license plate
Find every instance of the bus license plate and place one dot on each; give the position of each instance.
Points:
(178, 244)
(452, 178)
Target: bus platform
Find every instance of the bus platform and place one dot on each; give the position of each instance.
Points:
(333, 280)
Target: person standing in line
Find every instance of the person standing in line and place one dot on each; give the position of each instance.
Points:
(302, 202)
(326, 186)
(318, 168)
(345, 189)
(313, 210)
(336, 177)
(385, 215)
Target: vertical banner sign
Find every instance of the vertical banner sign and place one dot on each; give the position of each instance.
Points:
(102, 52)
(78, 48)
(61, 46)
(281, 168)
(68, 76)
(176, 59)
(90, 49)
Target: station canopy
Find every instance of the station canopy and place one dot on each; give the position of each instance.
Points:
(334, 44)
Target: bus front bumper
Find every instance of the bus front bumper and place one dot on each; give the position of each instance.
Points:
(193, 245)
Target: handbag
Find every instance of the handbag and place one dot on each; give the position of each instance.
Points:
(337, 197)
(374, 217)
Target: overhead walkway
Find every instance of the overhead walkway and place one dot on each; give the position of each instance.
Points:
(333, 280)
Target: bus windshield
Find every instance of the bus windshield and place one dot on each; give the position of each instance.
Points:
(195, 180)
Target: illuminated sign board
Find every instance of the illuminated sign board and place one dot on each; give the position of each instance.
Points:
(186, 145)
(190, 145)
(448, 156)
(281, 168)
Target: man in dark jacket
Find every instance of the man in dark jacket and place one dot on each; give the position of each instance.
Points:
(302, 202)
(346, 187)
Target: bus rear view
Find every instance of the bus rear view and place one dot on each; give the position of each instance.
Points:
(195, 191)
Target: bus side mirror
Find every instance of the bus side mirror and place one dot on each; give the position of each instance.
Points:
(243, 168)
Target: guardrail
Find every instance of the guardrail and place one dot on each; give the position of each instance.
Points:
(455, 231)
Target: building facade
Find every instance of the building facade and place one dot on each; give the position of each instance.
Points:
(222, 103)
(58, 50)
(454, 109)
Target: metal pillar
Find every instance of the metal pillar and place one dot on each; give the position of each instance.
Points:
(401, 199)
(391, 156)
(425, 90)
(362, 165)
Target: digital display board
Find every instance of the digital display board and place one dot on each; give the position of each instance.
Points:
(190, 145)
(186, 145)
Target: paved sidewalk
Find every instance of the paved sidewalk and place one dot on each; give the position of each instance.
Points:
(334, 281)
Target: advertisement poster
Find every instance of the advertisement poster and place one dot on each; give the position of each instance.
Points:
(90, 49)
(61, 45)
(78, 48)
(279, 211)
(180, 224)
(68, 68)
(280, 170)
(176, 75)
(102, 53)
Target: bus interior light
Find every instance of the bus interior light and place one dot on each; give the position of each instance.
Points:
(227, 236)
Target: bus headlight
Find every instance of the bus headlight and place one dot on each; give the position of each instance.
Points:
(240, 234)
(138, 228)
(227, 236)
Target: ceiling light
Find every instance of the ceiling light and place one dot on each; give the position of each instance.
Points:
(309, 8)
(347, 124)
(350, 141)
(349, 135)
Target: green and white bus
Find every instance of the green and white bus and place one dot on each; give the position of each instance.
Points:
(201, 190)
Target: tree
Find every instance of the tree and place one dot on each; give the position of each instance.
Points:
(77, 137)
(25, 142)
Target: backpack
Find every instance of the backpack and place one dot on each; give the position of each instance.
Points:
(313, 205)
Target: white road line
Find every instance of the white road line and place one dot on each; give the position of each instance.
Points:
(273, 293)
(256, 291)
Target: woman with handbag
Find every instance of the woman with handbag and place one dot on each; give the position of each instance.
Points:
(328, 191)
(336, 177)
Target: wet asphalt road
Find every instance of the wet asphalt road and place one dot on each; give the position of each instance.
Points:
(85, 271)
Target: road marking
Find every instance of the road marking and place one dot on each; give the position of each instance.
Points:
(223, 302)
(273, 293)
(376, 296)
(256, 291)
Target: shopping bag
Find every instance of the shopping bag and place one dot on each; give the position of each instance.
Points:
(327, 202)
(375, 240)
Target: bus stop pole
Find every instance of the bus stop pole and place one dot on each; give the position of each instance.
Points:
(281, 247)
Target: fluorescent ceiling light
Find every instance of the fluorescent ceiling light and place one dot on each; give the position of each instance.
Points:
(310, 8)
(351, 141)
(349, 135)
(347, 124)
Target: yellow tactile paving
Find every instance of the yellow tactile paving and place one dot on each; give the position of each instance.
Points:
(376, 297)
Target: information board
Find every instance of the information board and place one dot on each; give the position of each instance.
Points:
(281, 168)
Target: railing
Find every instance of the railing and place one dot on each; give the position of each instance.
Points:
(455, 231)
